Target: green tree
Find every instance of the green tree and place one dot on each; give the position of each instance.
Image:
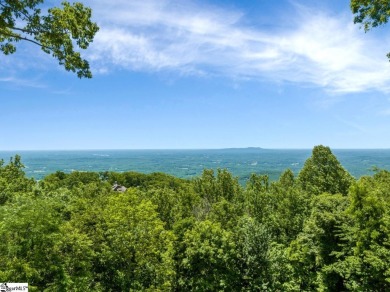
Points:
(171, 205)
(371, 13)
(13, 180)
(59, 31)
(136, 252)
(314, 247)
(208, 260)
(323, 173)
(290, 207)
(253, 244)
(214, 188)
(258, 199)
(226, 213)
(40, 248)
(365, 257)
(156, 180)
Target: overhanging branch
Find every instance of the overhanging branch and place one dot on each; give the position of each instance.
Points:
(22, 30)
(19, 37)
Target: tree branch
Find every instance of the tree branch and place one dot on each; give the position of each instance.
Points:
(28, 17)
(25, 39)
(22, 30)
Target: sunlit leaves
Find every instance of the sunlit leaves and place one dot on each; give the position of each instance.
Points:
(209, 258)
(320, 232)
(137, 248)
(323, 173)
(371, 13)
(60, 31)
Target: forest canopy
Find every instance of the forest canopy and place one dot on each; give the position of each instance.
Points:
(320, 230)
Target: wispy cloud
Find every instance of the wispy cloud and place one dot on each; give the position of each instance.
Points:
(313, 48)
(22, 82)
(21, 70)
(357, 127)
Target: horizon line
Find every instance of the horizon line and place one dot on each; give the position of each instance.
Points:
(183, 149)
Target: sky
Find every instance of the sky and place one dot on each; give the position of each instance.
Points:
(205, 74)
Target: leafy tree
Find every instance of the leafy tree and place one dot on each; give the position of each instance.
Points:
(13, 180)
(365, 257)
(226, 213)
(171, 205)
(323, 173)
(136, 251)
(214, 188)
(58, 32)
(71, 232)
(258, 200)
(287, 179)
(208, 262)
(314, 247)
(40, 248)
(371, 13)
(253, 246)
(281, 271)
(258, 183)
(264, 265)
(290, 207)
(156, 180)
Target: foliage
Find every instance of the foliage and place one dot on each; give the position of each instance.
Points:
(214, 188)
(321, 231)
(13, 180)
(146, 181)
(290, 208)
(365, 255)
(323, 173)
(253, 247)
(208, 259)
(58, 32)
(314, 247)
(41, 249)
(371, 13)
(136, 245)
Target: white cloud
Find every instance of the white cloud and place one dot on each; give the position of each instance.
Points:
(309, 47)
(22, 82)
(315, 48)
(22, 70)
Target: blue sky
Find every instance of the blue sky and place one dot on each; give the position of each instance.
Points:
(205, 74)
